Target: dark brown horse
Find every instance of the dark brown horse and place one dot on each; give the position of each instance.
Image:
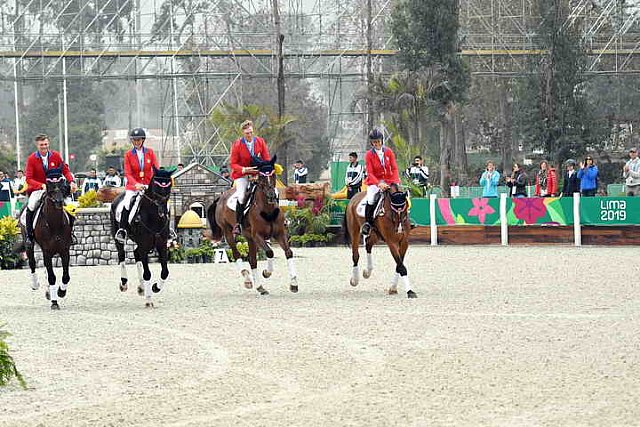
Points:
(149, 230)
(391, 225)
(263, 221)
(52, 232)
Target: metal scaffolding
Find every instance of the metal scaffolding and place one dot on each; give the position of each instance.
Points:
(198, 54)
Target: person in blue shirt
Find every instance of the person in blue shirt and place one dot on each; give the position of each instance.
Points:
(588, 176)
(489, 180)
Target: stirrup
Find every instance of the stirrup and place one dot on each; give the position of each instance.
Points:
(121, 236)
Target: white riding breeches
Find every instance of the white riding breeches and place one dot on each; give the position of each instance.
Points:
(241, 185)
(372, 190)
(34, 199)
(126, 202)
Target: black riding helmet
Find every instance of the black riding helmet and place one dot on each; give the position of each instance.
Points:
(376, 134)
(137, 133)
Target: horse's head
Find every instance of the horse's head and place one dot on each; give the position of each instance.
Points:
(266, 178)
(57, 187)
(399, 205)
(160, 185)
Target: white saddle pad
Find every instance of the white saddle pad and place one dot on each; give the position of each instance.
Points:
(132, 212)
(23, 217)
(360, 210)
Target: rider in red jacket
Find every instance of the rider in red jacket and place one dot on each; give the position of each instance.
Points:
(382, 171)
(35, 173)
(243, 151)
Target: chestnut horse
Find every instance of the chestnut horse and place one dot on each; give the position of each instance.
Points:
(149, 230)
(263, 221)
(391, 225)
(52, 232)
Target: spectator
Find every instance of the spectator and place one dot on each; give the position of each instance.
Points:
(546, 181)
(19, 183)
(6, 192)
(180, 167)
(631, 174)
(224, 172)
(300, 173)
(588, 175)
(92, 182)
(489, 180)
(112, 179)
(517, 182)
(354, 176)
(571, 182)
(418, 173)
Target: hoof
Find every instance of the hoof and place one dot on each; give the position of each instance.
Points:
(262, 291)
(366, 273)
(293, 288)
(248, 284)
(353, 282)
(266, 274)
(155, 288)
(148, 305)
(123, 287)
(411, 294)
(392, 291)
(62, 293)
(47, 295)
(140, 291)
(55, 306)
(35, 286)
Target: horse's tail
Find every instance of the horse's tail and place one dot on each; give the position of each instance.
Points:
(216, 231)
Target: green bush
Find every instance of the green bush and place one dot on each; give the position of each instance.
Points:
(311, 239)
(310, 220)
(9, 232)
(8, 369)
(176, 252)
(89, 200)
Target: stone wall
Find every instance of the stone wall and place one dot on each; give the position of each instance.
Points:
(95, 244)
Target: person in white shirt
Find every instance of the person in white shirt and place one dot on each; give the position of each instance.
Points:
(300, 173)
(19, 182)
(631, 173)
(92, 182)
(112, 179)
(418, 173)
(354, 176)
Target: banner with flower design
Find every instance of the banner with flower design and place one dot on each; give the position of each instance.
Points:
(540, 211)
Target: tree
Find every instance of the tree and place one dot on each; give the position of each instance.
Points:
(426, 32)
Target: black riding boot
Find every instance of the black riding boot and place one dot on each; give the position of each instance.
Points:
(368, 215)
(237, 229)
(121, 234)
(28, 241)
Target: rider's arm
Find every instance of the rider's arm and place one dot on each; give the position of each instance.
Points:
(128, 171)
(28, 173)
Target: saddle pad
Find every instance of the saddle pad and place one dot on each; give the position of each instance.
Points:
(132, 212)
(23, 216)
(361, 207)
(232, 201)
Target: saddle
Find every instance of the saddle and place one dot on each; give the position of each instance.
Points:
(379, 211)
(232, 201)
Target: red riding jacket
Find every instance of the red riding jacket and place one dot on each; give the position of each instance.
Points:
(136, 174)
(376, 171)
(241, 156)
(35, 172)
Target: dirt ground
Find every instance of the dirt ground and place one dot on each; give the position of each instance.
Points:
(518, 336)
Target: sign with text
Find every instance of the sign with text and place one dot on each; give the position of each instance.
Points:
(610, 210)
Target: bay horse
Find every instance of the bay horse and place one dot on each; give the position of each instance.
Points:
(263, 221)
(52, 231)
(149, 230)
(391, 225)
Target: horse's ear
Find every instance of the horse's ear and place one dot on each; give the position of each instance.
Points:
(273, 159)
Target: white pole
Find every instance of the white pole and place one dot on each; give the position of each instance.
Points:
(432, 220)
(65, 109)
(17, 111)
(504, 226)
(577, 232)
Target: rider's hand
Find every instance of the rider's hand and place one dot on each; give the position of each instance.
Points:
(249, 169)
(44, 186)
(383, 186)
(74, 187)
(139, 186)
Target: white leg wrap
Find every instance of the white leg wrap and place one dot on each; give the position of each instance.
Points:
(256, 277)
(394, 280)
(292, 268)
(369, 262)
(162, 282)
(34, 281)
(405, 281)
(355, 274)
(140, 271)
(63, 286)
(123, 270)
(270, 265)
(240, 265)
(147, 289)
(53, 292)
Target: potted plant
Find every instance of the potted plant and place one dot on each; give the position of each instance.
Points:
(193, 255)
(9, 232)
(207, 250)
(176, 252)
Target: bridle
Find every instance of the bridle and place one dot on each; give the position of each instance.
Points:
(160, 202)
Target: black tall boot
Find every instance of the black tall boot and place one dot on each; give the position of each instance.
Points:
(28, 241)
(121, 234)
(237, 229)
(368, 215)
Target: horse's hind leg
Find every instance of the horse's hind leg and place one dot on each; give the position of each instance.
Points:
(52, 292)
(253, 262)
(248, 281)
(124, 279)
(62, 290)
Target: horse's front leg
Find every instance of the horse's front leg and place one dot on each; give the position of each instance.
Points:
(283, 241)
(248, 282)
(52, 292)
(66, 278)
(262, 244)
(355, 253)
(163, 255)
(253, 263)
(369, 242)
(124, 279)
(397, 251)
(146, 279)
